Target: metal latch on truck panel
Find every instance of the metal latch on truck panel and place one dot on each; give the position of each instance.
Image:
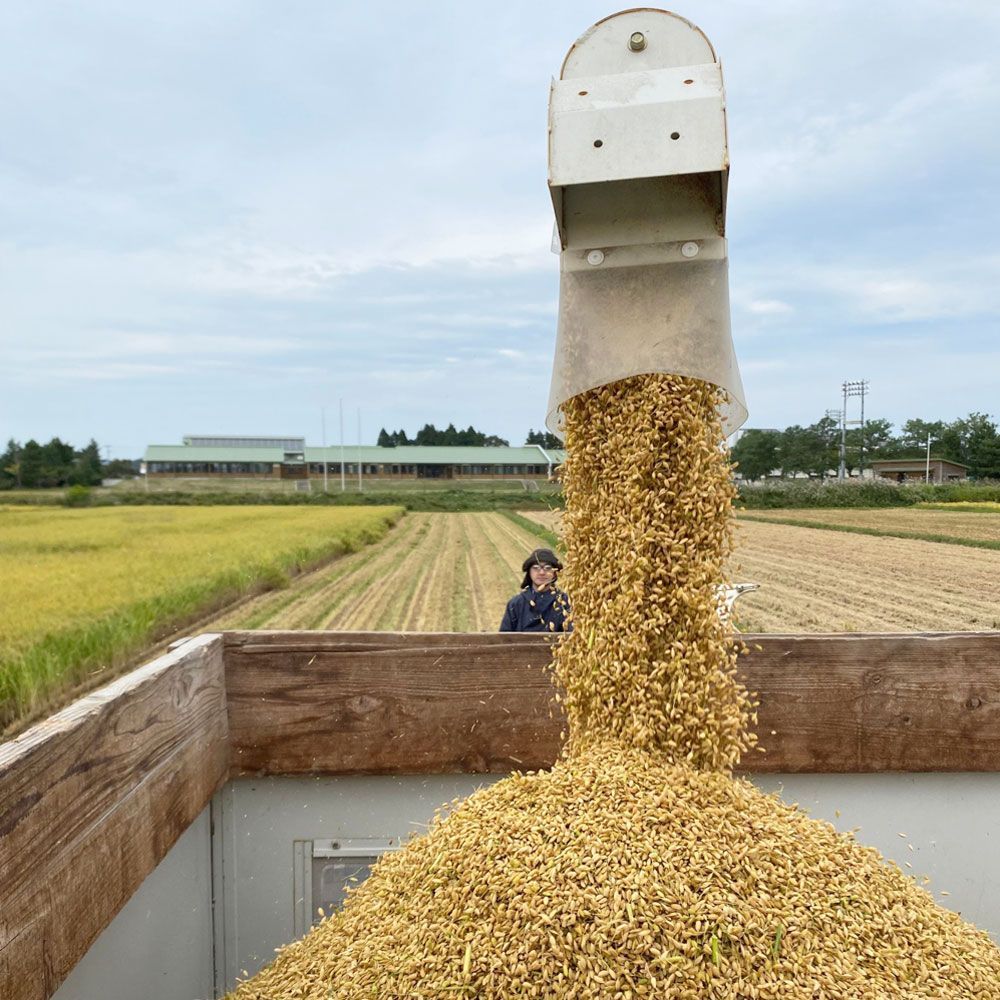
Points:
(638, 173)
(325, 869)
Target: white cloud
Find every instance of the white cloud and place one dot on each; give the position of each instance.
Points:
(85, 372)
(769, 307)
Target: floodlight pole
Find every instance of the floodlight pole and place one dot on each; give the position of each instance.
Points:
(927, 477)
(842, 470)
(857, 388)
(360, 487)
(343, 468)
(861, 453)
(323, 417)
(838, 415)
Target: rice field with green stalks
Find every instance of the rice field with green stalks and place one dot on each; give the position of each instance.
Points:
(82, 592)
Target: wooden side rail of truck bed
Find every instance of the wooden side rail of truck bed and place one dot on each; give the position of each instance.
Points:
(92, 798)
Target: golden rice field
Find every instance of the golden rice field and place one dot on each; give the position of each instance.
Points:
(817, 580)
(83, 590)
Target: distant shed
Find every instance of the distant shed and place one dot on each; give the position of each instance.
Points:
(904, 470)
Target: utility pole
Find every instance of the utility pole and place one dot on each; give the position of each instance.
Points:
(927, 477)
(323, 418)
(857, 388)
(360, 464)
(343, 468)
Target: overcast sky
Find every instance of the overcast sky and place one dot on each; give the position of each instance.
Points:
(220, 217)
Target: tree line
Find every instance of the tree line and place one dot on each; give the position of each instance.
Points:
(35, 466)
(973, 441)
(429, 435)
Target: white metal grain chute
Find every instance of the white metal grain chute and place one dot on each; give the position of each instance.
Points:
(638, 170)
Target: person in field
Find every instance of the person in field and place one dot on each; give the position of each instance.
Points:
(540, 606)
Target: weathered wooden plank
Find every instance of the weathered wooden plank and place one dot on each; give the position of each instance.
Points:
(395, 703)
(377, 703)
(267, 640)
(847, 703)
(93, 798)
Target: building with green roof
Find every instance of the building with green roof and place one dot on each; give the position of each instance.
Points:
(290, 458)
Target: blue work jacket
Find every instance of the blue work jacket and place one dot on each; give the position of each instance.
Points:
(533, 610)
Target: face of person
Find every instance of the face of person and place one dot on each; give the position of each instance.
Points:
(542, 575)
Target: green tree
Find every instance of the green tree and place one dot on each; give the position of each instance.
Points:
(385, 439)
(10, 466)
(57, 463)
(982, 446)
(878, 442)
(913, 436)
(823, 443)
(121, 468)
(544, 438)
(88, 470)
(428, 435)
(31, 464)
(952, 442)
(757, 453)
(795, 450)
(973, 440)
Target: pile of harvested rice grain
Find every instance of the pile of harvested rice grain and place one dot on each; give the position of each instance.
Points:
(637, 867)
(616, 875)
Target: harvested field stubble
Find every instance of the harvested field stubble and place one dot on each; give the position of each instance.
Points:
(435, 573)
(638, 867)
(828, 581)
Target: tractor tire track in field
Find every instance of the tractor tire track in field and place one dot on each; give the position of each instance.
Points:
(369, 595)
(362, 601)
(433, 572)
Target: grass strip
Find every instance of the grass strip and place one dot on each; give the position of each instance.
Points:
(963, 507)
(533, 527)
(429, 501)
(854, 529)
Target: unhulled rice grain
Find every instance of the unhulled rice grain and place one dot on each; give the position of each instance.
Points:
(638, 867)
